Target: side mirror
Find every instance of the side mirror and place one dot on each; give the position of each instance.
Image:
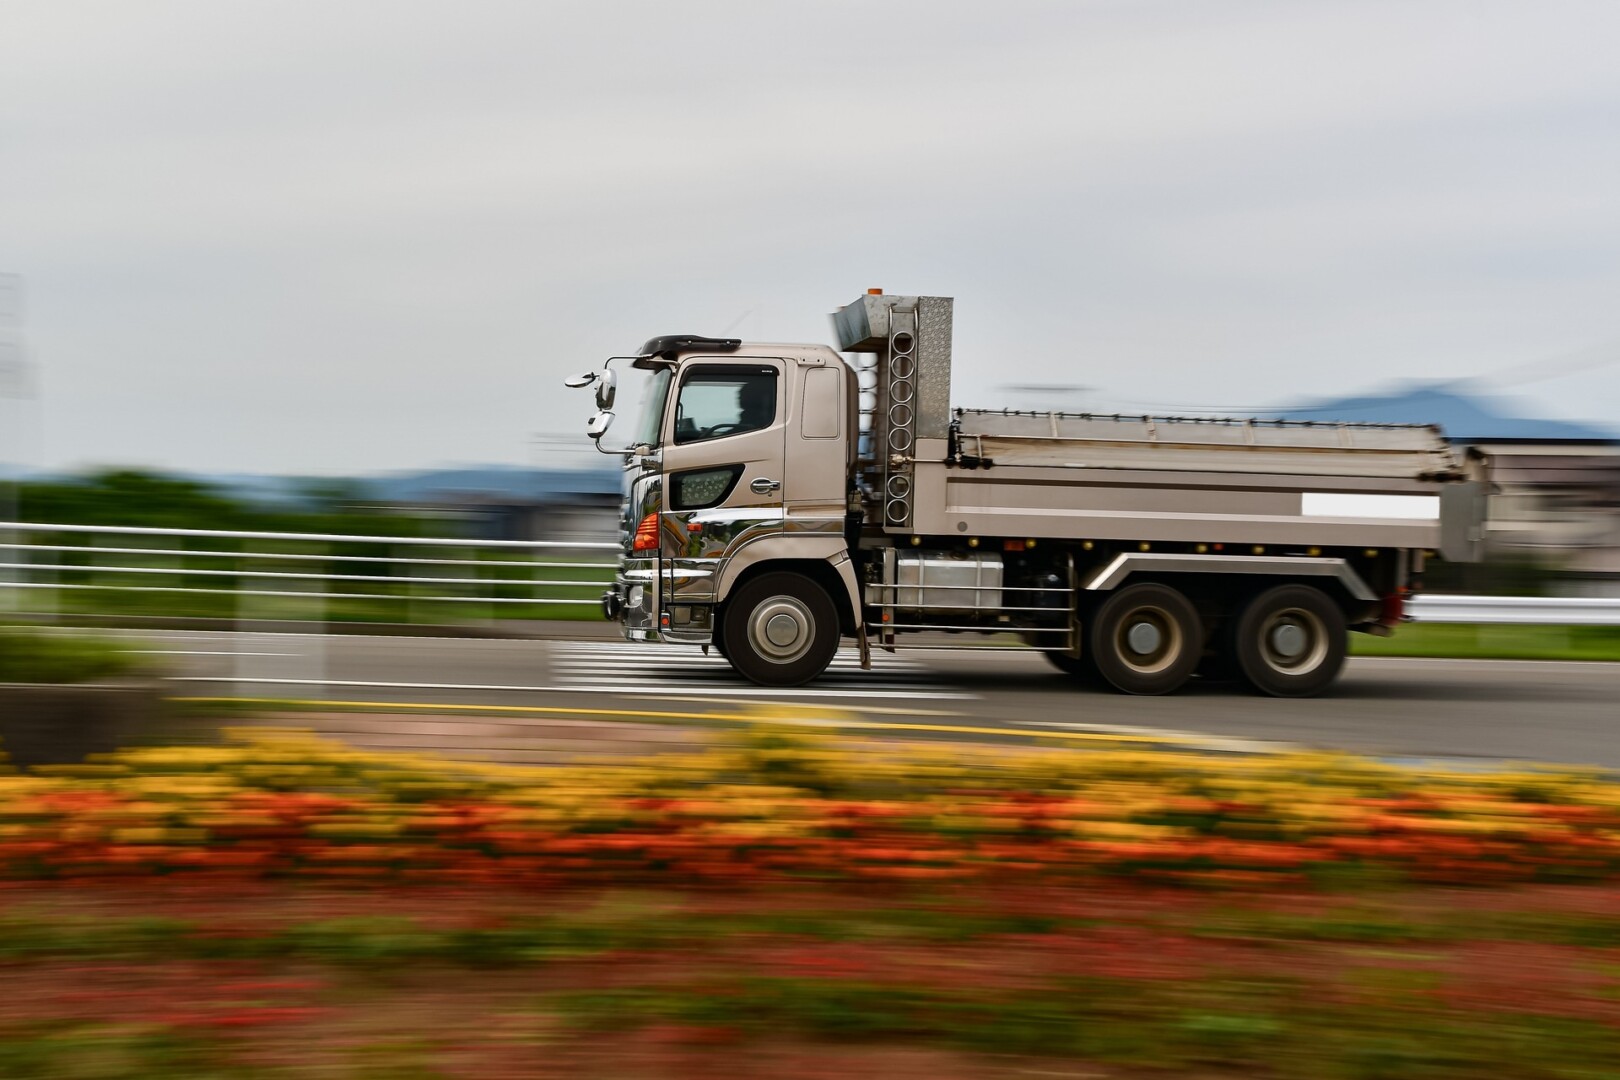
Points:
(607, 383)
(575, 382)
(599, 425)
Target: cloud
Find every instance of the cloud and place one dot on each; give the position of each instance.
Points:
(309, 237)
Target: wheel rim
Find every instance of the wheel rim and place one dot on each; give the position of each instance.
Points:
(1148, 640)
(781, 629)
(1293, 641)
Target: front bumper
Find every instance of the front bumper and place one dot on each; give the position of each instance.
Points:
(633, 598)
(633, 602)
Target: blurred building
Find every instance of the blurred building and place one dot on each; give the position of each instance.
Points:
(501, 503)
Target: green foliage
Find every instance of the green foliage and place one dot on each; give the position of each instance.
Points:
(132, 497)
(27, 656)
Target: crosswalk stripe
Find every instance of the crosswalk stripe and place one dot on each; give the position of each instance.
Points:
(642, 668)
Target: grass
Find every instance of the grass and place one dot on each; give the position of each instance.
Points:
(1494, 642)
(30, 657)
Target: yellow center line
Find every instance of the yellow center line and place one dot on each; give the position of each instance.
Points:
(449, 708)
(734, 717)
(1066, 736)
(799, 706)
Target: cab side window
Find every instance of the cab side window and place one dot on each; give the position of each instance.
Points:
(718, 401)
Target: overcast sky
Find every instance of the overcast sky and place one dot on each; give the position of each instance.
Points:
(328, 237)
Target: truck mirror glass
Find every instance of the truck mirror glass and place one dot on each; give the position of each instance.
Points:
(574, 382)
(599, 425)
(606, 384)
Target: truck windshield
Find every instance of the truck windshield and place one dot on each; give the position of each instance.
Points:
(650, 419)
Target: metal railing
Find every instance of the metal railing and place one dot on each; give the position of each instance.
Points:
(49, 570)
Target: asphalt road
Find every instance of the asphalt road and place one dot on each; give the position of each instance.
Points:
(1405, 709)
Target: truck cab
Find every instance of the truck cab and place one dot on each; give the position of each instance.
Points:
(739, 470)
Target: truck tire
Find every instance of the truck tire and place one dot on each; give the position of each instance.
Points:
(1146, 639)
(1291, 641)
(780, 629)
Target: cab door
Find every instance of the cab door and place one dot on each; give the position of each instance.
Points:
(724, 469)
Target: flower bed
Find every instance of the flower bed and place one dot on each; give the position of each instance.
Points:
(768, 808)
(1105, 979)
(796, 909)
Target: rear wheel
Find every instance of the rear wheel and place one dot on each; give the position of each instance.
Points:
(1291, 641)
(1146, 639)
(779, 630)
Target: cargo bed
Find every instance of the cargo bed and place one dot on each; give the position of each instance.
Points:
(1177, 480)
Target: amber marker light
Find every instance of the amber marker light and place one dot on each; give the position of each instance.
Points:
(646, 534)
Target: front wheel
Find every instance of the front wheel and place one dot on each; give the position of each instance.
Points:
(780, 629)
(1291, 641)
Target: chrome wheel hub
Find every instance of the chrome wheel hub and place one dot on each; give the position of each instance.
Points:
(1144, 638)
(1148, 640)
(1289, 639)
(781, 629)
(1293, 641)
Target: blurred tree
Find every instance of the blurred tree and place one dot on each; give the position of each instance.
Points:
(133, 497)
(130, 497)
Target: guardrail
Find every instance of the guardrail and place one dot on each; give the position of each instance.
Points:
(1516, 610)
(94, 570)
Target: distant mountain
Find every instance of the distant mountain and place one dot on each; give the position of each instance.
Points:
(477, 483)
(491, 483)
(1464, 417)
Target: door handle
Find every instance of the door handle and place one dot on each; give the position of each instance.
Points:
(762, 486)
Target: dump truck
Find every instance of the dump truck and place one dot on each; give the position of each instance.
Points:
(780, 500)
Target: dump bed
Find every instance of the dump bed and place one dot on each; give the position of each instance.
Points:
(930, 471)
(1256, 484)
(1310, 448)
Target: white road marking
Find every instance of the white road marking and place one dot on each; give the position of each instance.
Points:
(207, 652)
(1202, 741)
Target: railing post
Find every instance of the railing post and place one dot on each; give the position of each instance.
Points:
(11, 597)
(281, 647)
(44, 600)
